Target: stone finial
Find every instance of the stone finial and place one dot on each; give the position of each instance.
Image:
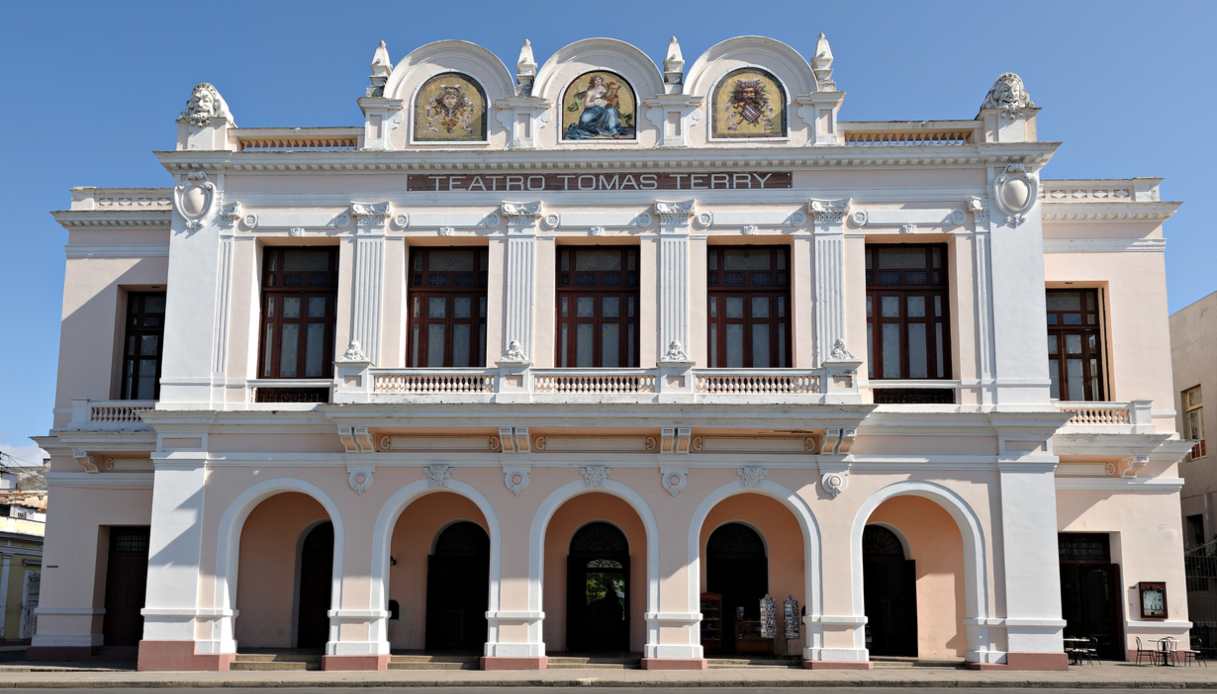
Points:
(673, 63)
(205, 106)
(1008, 95)
(381, 67)
(821, 65)
(526, 68)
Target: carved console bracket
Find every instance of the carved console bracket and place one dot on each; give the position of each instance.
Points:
(356, 439)
(513, 439)
(437, 474)
(675, 439)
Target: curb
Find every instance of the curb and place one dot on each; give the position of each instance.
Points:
(608, 683)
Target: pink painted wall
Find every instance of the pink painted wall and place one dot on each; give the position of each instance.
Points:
(413, 537)
(783, 548)
(569, 517)
(267, 574)
(935, 544)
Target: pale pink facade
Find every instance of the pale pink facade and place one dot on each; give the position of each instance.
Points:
(977, 472)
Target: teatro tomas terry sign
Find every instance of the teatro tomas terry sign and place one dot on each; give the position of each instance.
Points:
(598, 182)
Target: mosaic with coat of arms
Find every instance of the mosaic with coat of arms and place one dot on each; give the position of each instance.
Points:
(598, 105)
(450, 107)
(749, 102)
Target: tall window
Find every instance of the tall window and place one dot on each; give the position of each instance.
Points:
(598, 306)
(749, 290)
(1193, 420)
(1075, 344)
(299, 290)
(447, 290)
(144, 332)
(907, 323)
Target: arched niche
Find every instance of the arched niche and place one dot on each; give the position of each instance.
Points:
(464, 62)
(575, 60)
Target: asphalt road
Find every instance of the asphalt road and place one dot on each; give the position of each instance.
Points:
(619, 690)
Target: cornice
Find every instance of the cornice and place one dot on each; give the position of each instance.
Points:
(109, 219)
(1032, 154)
(1109, 211)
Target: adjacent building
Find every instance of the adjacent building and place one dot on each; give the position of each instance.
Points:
(611, 357)
(22, 525)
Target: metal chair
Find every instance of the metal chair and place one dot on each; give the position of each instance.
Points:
(1143, 652)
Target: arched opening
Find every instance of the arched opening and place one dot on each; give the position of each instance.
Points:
(458, 572)
(285, 574)
(316, 569)
(737, 576)
(752, 546)
(891, 594)
(594, 559)
(913, 575)
(439, 575)
(598, 590)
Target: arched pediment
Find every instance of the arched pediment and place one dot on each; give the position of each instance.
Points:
(588, 55)
(449, 55)
(773, 56)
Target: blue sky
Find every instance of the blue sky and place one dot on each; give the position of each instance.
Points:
(91, 89)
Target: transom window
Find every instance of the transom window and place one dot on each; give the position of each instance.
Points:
(907, 323)
(1075, 344)
(447, 290)
(749, 291)
(1193, 420)
(144, 331)
(597, 306)
(299, 291)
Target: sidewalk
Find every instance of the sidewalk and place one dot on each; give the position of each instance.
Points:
(1094, 676)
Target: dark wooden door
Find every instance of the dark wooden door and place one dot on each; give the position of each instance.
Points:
(738, 570)
(1090, 605)
(890, 594)
(598, 591)
(316, 573)
(458, 586)
(126, 583)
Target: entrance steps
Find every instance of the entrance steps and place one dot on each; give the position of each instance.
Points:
(426, 661)
(721, 662)
(276, 660)
(879, 662)
(594, 662)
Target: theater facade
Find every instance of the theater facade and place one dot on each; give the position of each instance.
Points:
(667, 362)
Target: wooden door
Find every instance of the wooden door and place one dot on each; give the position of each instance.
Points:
(458, 586)
(126, 584)
(316, 572)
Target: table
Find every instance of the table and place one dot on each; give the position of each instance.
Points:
(1164, 650)
(1077, 643)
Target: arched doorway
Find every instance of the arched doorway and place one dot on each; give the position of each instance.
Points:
(890, 594)
(458, 576)
(737, 576)
(285, 570)
(597, 590)
(316, 576)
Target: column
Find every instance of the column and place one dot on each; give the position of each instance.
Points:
(519, 282)
(174, 558)
(1028, 554)
(828, 275)
(367, 284)
(673, 279)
